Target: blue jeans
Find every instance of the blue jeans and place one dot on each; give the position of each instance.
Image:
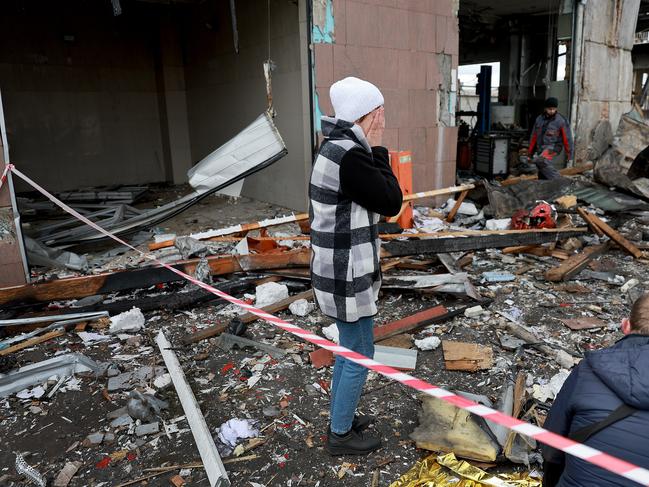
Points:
(349, 378)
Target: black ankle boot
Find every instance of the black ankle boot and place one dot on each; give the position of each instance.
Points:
(362, 422)
(351, 443)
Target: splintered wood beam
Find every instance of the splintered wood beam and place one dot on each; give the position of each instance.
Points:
(247, 318)
(624, 244)
(592, 224)
(79, 287)
(246, 227)
(476, 242)
(456, 207)
(32, 341)
(569, 171)
(407, 198)
(575, 264)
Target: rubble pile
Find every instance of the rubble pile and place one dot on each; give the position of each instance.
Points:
(495, 294)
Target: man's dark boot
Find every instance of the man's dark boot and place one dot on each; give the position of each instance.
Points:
(352, 443)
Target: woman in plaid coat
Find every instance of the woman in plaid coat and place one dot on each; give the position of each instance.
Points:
(352, 184)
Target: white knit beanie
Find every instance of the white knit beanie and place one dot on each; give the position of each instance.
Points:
(352, 98)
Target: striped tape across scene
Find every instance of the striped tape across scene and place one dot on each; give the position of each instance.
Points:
(571, 447)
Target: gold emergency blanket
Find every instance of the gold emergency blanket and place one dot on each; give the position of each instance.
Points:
(448, 471)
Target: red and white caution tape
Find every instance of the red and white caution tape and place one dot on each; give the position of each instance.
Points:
(591, 455)
(3, 178)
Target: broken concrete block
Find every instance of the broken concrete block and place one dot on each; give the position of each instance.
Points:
(500, 224)
(543, 392)
(147, 429)
(331, 332)
(270, 293)
(93, 439)
(121, 381)
(301, 307)
(428, 343)
(117, 413)
(498, 276)
(144, 407)
(631, 283)
(473, 312)
(66, 473)
(129, 321)
(162, 381)
(124, 420)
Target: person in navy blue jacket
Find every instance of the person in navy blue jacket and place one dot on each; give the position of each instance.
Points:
(604, 404)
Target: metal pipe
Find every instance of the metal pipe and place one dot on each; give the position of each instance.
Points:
(577, 48)
(45, 319)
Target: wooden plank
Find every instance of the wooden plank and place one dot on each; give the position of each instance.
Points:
(32, 341)
(575, 264)
(438, 192)
(216, 330)
(469, 357)
(324, 358)
(79, 287)
(538, 251)
(246, 227)
(627, 246)
(569, 171)
(456, 206)
(407, 198)
(278, 306)
(483, 233)
(474, 242)
(588, 218)
(410, 323)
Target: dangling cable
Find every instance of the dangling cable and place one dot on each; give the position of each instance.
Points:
(269, 66)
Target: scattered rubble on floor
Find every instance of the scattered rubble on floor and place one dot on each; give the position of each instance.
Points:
(122, 372)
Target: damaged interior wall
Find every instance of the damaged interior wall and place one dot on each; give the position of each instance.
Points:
(80, 93)
(606, 80)
(410, 51)
(226, 91)
(142, 96)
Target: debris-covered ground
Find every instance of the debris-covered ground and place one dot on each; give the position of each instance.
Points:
(127, 423)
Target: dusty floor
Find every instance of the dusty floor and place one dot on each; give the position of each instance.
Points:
(50, 432)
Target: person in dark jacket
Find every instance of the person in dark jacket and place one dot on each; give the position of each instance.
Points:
(351, 185)
(604, 403)
(550, 136)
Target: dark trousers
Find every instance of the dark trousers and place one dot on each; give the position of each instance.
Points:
(545, 164)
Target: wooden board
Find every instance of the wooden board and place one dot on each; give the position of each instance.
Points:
(216, 330)
(464, 356)
(583, 323)
(569, 171)
(627, 246)
(32, 341)
(574, 264)
(476, 242)
(79, 287)
(588, 218)
(456, 207)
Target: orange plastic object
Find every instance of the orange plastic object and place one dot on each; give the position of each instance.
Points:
(401, 162)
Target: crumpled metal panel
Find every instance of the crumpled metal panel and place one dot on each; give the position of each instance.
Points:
(256, 144)
(63, 365)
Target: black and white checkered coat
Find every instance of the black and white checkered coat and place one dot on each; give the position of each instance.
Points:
(345, 270)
